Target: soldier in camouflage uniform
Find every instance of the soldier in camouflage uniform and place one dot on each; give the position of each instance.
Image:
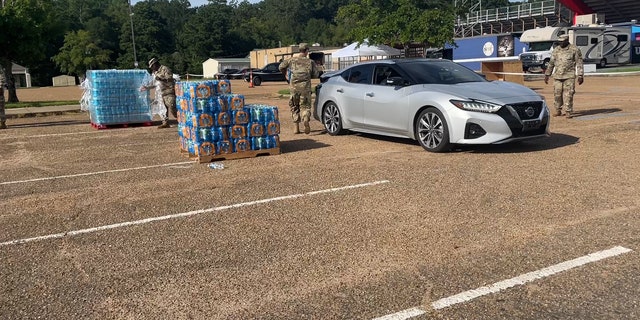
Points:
(164, 76)
(566, 62)
(302, 70)
(3, 118)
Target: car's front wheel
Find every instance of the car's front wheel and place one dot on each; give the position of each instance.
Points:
(431, 130)
(331, 119)
(257, 81)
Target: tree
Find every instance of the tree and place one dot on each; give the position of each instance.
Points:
(153, 38)
(81, 52)
(400, 22)
(204, 35)
(24, 25)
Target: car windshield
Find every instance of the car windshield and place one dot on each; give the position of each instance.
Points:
(440, 72)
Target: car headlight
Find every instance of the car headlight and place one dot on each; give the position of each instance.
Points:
(476, 105)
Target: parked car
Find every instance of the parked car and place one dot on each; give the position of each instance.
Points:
(435, 101)
(270, 72)
(225, 74)
(241, 73)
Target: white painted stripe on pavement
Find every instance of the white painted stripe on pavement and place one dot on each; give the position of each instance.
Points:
(95, 173)
(516, 281)
(185, 214)
(49, 135)
(405, 314)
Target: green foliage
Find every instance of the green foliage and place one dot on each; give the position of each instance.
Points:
(183, 37)
(399, 22)
(203, 36)
(81, 52)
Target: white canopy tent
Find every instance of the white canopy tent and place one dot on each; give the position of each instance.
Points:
(365, 50)
(357, 52)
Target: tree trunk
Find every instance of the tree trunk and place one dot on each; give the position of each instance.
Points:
(3, 118)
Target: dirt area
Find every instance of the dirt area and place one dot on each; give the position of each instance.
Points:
(119, 224)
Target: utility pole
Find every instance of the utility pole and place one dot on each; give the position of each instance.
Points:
(133, 37)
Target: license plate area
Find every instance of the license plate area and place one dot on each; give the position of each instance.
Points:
(530, 124)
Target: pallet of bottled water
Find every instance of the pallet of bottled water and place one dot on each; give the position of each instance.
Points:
(113, 97)
(215, 124)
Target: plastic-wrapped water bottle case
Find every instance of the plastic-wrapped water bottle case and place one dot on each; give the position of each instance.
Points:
(216, 165)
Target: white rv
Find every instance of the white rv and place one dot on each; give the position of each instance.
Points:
(541, 42)
(602, 45)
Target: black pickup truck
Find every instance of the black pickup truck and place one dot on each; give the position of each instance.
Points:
(270, 72)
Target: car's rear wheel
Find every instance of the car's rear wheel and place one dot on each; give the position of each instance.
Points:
(431, 130)
(331, 119)
(257, 81)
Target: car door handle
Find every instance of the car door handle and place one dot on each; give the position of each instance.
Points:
(369, 94)
(340, 90)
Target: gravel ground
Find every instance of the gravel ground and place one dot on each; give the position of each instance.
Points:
(259, 242)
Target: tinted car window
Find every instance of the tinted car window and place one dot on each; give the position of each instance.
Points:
(441, 72)
(384, 72)
(358, 74)
(271, 67)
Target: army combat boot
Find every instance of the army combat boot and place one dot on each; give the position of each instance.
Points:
(165, 124)
(307, 128)
(296, 128)
(3, 125)
(557, 113)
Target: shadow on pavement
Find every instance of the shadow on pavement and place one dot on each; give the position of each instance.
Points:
(580, 113)
(300, 145)
(556, 140)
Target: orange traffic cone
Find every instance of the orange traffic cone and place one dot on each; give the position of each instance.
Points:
(250, 79)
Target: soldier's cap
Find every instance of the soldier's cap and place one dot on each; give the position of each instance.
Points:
(152, 62)
(303, 46)
(563, 37)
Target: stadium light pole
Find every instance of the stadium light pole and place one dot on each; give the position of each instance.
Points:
(133, 37)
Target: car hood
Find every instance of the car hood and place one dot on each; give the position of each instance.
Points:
(493, 91)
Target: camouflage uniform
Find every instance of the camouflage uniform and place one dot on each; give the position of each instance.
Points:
(302, 70)
(565, 63)
(3, 118)
(168, 89)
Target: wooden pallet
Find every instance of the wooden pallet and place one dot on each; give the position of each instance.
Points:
(232, 156)
(121, 125)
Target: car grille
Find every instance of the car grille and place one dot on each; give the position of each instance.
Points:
(527, 57)
(522, 118)
(527, 110)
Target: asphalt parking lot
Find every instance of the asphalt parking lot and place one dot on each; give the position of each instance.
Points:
(117, 224)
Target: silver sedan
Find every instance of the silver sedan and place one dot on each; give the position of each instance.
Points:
(437, 102)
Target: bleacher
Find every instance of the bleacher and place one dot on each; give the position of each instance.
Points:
(511, 19)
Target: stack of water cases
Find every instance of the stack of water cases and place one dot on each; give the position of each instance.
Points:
(114, 97)
(214, 123)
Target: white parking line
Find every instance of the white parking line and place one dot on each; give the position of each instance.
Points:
(95, 173)
(185, 214)
(502, 285)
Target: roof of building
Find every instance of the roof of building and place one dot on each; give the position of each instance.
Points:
(615, 11)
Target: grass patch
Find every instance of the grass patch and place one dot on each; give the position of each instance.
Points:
(36, 104)
(284, 92)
